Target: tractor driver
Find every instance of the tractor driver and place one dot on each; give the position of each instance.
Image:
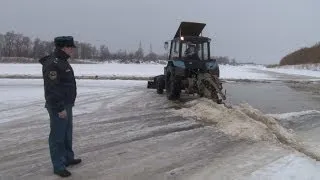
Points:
(192, 52)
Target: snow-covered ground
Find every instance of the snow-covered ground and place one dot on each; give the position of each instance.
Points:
(313, 67)
(149, 70)
(135, 70)
(144, 70)
(296, 70)
(16, 92)
(23, 99)
(242, 72)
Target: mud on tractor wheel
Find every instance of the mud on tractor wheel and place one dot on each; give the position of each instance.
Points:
(210, 87)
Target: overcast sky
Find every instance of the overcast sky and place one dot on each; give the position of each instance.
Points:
(260, 31)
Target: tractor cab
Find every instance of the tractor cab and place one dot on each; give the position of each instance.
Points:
(188, 44)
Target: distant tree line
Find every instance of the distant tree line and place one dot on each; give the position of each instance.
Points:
(17, 45)
(304, 55)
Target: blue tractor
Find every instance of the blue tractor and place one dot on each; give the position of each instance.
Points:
(190, 67)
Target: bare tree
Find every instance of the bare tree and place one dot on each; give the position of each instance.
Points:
(104, 52)
(139, 54)
(19, 45)
(2, 45)
(151, 56)
(77, 50)
(95, 53)
(85, 49)
(26, 47)
(36, 48)
(9, 44)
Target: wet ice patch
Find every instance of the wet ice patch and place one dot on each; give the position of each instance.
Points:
(292, 115)
(302, 120)
(295, 70)
(287, 168)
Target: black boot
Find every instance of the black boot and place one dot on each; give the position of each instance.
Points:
(63, 173)
(73, 162)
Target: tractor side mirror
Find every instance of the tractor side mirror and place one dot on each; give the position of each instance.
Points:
(166, 44)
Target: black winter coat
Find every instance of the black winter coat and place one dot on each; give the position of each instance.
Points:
(60, 87)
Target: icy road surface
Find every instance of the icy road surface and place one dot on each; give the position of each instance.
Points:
(124, 131)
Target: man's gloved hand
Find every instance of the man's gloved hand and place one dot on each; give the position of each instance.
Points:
(63, 114)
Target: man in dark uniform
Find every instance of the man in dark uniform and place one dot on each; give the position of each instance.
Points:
(60, 93)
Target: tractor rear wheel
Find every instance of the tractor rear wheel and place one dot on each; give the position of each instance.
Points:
(160, 85)
(173, 88)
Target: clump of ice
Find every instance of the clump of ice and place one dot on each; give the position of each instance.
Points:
(245, 122)
(231, 121)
